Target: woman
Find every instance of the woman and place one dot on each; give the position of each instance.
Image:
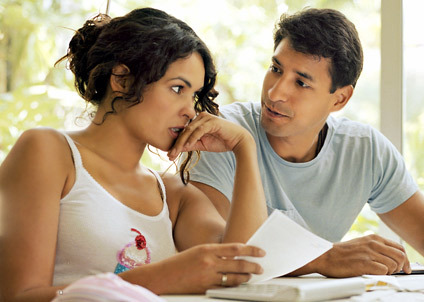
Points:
(80, 203)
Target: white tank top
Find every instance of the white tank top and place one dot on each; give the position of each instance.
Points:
(98, 234)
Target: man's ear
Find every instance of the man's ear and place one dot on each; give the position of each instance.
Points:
(120, 79)
(342, 96)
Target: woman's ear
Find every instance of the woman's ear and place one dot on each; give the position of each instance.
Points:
(120, 79)
(342, 96)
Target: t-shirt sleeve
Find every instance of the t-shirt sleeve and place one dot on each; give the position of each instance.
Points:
(216, 170)
(392, 183)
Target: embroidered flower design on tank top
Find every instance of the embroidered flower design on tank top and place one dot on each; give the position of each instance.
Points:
(133, 254)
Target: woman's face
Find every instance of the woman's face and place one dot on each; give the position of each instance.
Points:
(168, 104)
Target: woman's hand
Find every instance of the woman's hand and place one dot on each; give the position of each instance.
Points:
(211, 133)
(201, 267)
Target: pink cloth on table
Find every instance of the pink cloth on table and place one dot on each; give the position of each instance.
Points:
(105, 287)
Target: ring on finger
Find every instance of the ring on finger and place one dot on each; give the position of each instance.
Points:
(224, 279)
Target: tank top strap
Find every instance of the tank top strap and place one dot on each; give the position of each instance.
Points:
(75, 153)
(78, 163)
(161, 184)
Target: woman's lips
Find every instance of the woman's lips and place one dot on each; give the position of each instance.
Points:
(175, 131)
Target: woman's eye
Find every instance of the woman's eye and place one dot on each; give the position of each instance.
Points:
(177, 89)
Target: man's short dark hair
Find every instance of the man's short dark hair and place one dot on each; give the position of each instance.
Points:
(325, 33)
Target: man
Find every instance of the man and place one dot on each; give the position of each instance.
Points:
(318, 169)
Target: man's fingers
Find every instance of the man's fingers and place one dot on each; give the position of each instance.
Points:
(376, 268)
(391, 254)
(371, 254)
(393, 244)
(405, 266)
(391, 266)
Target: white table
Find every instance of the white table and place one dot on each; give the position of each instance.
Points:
(285, 280)
(288, 280)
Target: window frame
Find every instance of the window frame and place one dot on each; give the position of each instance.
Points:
(392, 94)
(392, 77)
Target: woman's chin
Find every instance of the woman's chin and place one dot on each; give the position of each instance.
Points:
(164, 148)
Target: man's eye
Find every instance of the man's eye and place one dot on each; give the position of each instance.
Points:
(177, 89)
(302, 84)
(274, 69)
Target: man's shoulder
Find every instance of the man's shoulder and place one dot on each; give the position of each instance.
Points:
(351, 128)
(246, 114)
(240, 110)
(357, 135)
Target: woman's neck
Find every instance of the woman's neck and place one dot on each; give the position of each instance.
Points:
(113, 143)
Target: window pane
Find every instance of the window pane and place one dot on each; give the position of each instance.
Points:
(414, 98)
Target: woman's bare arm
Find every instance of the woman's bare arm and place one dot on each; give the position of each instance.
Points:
(32, 180)
(198, 220)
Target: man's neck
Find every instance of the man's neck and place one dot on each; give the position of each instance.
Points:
(299, 149)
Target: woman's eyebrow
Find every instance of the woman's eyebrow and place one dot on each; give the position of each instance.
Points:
(182, 79)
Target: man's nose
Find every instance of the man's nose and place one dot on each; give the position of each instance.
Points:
(279, 91)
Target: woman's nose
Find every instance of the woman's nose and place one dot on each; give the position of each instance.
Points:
(188, 109)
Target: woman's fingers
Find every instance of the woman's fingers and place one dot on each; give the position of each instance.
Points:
(230, 279)
(231, 250)
(233, 271)
(208, 133)
(193, 133)
(228, 262)
(211, 265)
(186, 137)
(225, 257)
(238, 266)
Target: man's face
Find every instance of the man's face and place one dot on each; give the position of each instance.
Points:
(296, 98)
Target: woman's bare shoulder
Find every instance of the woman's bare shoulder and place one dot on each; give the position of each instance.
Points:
(180, 192)
(179, 195)
(172, 181)
(41, 138)
(175, 185)
(37, 147)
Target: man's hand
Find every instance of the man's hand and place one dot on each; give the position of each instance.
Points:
(371, 255)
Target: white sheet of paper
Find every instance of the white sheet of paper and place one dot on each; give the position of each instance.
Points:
(288, 246)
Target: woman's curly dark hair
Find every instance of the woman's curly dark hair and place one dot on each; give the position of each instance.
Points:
(147, 41)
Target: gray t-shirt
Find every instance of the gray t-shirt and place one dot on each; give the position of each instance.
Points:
(357, 164)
